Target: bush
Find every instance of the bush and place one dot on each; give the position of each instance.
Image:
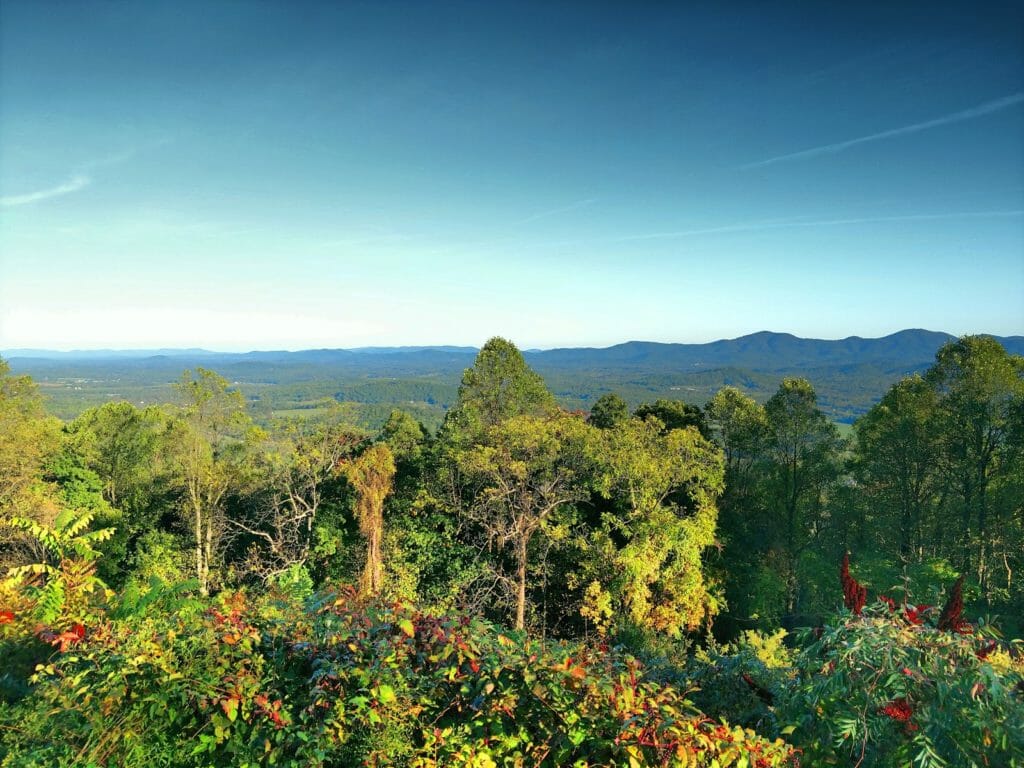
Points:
(345, 683)
(889, 687)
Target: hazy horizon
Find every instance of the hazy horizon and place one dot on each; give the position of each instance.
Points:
(241, 175)
(194, 348)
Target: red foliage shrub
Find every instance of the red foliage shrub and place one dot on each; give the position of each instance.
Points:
(951, 619)
(855, 595)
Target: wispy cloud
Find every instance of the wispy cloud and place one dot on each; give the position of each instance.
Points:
(555, 211)
(75, 183)
(81, 176)
(802, 221)
(988, 108)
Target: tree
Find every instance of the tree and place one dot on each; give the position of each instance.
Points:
(372, 475)
(674, 414)
(802, 446)
(740, 427)
(608, 410)
(499, 386)
(648, 554)
(121, 443)
(897, 452)
(526, 470)
(211, 437)
(405, 436)
(301, 468)
(980, 389)
(27, 438)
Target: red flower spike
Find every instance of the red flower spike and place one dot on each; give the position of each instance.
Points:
(898, 710)
(951, 614)
(854, 594)
(915, 614)
(6, 617)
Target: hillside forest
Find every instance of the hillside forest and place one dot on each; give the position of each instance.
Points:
(732, 583)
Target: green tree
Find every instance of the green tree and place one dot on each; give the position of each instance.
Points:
(648, 553)
(499, 386)
(803, 447)
(211, 438)
(897, 453)
(121, 443)
(528, 469)
(674, 414)
(608, 410)
(980, 390)
(27, 438)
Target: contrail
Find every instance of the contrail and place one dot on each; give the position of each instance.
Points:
(73, 184)
(556, 211)
(802, 221)
(981, 110)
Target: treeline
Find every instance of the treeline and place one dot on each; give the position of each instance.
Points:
(664, 518)
(646, 530)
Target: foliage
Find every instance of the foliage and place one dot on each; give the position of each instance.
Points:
(500, 385)
(890, 688)
(648, 552)
(608, 410)
(372, 475)
(351, 683)
(526, 472)
(62, 587)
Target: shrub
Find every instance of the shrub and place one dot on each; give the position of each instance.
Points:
(343, 683)
(906, 684)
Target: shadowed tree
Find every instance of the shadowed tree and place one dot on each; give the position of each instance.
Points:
(608, 410)
(674, 414)
(803, 447)
(897, 460)
(980, 390)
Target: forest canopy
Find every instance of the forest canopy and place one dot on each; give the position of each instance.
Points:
(668, 584)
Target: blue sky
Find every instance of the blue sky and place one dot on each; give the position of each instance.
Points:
(293, 175)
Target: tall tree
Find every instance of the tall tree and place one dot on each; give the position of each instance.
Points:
(372, 475)
(27, 438)
(803, 447)
(211, 437)
(648, 553)
(980, 390)
(499, 386)
(526, 470)
(897, 452)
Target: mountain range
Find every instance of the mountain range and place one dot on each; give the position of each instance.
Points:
(849, 374)
(763, 351)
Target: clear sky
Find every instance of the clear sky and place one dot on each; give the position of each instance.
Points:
(294, 175)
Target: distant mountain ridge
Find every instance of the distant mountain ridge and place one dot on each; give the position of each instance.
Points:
(849, 375)
(762, 351)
